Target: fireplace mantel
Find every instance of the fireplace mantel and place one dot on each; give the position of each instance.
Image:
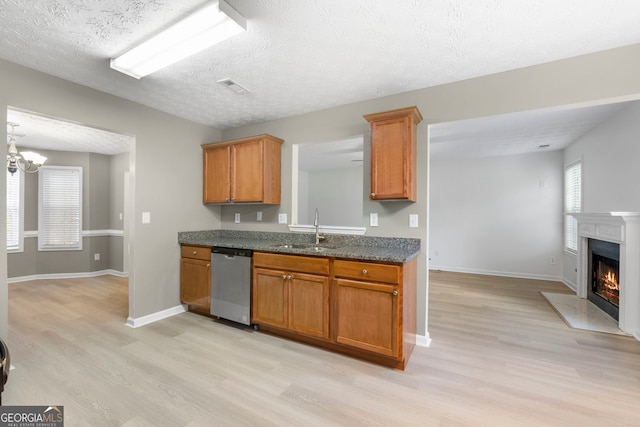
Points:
(622, 228)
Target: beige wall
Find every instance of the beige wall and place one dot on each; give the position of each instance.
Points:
(169, 185)
(165, 165)
(580, 80)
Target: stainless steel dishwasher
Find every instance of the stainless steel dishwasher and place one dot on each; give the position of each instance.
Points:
(231, 284)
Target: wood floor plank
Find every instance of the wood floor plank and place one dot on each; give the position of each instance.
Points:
(500, 356)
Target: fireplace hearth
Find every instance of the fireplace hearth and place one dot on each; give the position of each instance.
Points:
(604, 281)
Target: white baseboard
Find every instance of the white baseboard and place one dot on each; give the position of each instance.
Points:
(67, 275)
(569, 284)
(423, 340)
(154, 317)
(496, 273)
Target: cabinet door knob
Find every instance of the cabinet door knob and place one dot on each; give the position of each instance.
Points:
(289, 277)
(395, 292)
(208, 265)
(284, 277)
(364, 271)
(195, 252)
(373, 194)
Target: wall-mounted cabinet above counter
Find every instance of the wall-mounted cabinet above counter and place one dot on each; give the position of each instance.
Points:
(245, 170)
(393, 154)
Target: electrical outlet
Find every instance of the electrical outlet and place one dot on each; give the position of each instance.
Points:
(553, 260)
(373, 219)
(259, 216)
(282, 218)
(237, 218)
(96, 257)
(413, 220)
(120, 216)
(146, 217)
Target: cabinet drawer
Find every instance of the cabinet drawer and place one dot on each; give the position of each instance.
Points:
(292, 263)
(386, 273)
(197, 252)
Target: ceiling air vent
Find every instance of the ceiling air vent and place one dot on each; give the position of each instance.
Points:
(231, 85)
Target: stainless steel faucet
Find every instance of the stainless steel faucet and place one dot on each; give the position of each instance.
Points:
(317, 226)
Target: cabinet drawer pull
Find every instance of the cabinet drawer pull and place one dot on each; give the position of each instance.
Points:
(195, 252)
(364, 271)
(395, 292)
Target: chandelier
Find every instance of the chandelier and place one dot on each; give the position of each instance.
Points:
(27, 161)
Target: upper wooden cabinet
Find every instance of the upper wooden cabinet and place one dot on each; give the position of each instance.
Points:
(245, 170)
(393, 154)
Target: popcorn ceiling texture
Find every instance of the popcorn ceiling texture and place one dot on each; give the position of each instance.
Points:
(302, 56)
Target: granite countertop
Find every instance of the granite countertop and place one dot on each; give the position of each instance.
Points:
(387, 249)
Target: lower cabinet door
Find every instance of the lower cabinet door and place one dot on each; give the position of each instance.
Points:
(367, 316)
(269, 297)
(195, 282)
(309, 304)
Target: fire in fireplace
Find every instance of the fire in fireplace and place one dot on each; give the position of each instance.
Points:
(604, 286)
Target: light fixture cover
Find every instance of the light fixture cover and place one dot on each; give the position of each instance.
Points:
(32, 157)
(213, 23)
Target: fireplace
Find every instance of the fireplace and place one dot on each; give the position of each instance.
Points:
(604, 281)
(622, 229)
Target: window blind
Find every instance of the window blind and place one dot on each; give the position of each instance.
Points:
(60, 208)
(15, 211)
(572, 203)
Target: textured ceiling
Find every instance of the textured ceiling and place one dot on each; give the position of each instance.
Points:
(517, 133)
(40, 132)
(301, 56)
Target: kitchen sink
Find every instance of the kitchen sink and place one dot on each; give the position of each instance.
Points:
(291, 245)
(309, 246)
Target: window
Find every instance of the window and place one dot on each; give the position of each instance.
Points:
(572, 204)
(15, 211)
(60, 208)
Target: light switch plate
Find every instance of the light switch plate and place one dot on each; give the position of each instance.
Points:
(373, 219)
(146, 217)
(413, 221)
(259, 216)
(282, 218)
(236, 219)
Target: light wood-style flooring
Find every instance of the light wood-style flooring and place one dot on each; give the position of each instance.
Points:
(500, 356)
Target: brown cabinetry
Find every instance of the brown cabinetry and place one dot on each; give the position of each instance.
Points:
(375, 308)
(367, 312)
(245, 170)
(368, 297)
(195, 277)
(291, 293)
(393, 154)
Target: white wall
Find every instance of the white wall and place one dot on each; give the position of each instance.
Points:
(498, 215)
(337, 194)
(610, 157)
(610, 163)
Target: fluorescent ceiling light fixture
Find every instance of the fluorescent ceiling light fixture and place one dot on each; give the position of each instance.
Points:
(215, 22)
